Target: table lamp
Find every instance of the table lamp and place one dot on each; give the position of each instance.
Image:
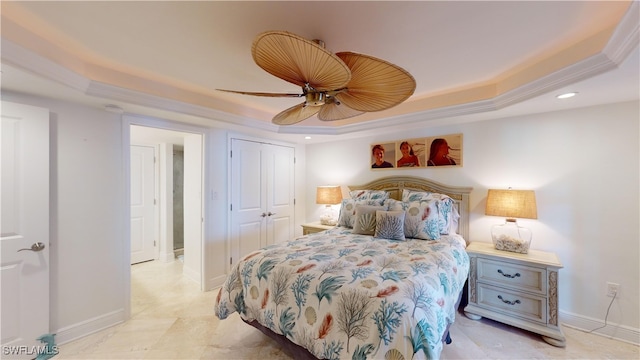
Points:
(511, 204)
(328, 195)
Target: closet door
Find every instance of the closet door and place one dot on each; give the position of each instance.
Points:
(262, 195)
(279, 165)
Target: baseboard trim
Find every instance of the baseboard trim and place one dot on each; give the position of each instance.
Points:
(87, 327)
(167, 257)
(191, 274)
(612, 330)
(215, 282)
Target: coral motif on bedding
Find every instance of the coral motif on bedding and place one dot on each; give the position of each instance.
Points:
(347, 216)
(446, 212)
(349, 296)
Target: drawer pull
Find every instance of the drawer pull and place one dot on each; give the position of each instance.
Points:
(509, 275)
(507, 301)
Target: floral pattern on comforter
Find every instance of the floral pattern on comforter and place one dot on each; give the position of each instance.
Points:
(347, 296)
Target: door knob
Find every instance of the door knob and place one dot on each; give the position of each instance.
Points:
(263, 214)
(270, 213)
(35, 247)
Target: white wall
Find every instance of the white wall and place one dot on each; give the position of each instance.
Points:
(90, 273)
(583, 165)
(87, 196)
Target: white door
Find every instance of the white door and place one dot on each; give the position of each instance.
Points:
(262, 195)
(279, 161)
(24, 225)
(143, 243)
(248, 198)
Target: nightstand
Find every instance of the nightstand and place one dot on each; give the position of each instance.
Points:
(314, 227)
(516, 289)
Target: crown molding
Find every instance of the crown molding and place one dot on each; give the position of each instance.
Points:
(108, 91)
(626, 36)
(20, 57)
(622, 41)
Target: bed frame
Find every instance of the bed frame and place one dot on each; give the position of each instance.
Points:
(394, 185)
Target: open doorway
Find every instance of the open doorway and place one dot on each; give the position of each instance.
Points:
(166, 176)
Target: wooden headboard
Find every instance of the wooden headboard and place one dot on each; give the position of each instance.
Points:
(395, 184)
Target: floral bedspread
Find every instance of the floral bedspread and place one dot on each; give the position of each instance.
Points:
(347, 296)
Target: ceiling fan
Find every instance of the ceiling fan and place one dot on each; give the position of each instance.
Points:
(334, 86)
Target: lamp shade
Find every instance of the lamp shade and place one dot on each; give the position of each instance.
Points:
(512, 204)
(328, 195)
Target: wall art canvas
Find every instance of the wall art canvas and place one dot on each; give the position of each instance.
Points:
(433, 151)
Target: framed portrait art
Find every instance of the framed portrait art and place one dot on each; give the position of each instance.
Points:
(433, 151)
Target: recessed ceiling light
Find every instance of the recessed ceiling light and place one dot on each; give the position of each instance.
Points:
(307, 137)
(567, 95)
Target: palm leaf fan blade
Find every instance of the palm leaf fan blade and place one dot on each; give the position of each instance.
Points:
(267, 94)
(299, 61)
(375, 84)
(295, 114)
(336, 111)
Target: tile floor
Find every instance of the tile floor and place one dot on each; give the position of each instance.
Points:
(172, 319)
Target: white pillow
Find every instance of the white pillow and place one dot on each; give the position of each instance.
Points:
(377, 195)
(421, 219)
(448, 214)
(348, 211)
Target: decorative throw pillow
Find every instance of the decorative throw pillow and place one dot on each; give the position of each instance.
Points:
(348, 211)
(390, 225)
(365, 219)
(421, 219)
(448, 214)
(377, 195)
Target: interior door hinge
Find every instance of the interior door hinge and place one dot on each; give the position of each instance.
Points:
(231, 153)
(154, 243)
(231, 261)
(154, 201)
(230, 207)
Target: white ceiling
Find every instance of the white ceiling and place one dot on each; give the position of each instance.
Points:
(166, 59)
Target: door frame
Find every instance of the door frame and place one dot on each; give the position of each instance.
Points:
(132, 119)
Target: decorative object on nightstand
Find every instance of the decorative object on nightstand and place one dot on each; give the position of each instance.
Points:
(511, 204)
(521, 290)
(328, 195)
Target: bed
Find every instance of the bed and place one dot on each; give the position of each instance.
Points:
(363, 289)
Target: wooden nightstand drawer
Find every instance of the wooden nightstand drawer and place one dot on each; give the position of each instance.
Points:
(515, 276)
(513, 303)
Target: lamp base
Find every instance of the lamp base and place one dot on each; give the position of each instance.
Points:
(511, 237)
(328, 217)
(329, 220)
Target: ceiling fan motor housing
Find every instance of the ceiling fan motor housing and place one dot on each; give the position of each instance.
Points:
(315, 98)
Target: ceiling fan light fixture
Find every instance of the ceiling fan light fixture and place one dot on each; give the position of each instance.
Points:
(335, 86)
